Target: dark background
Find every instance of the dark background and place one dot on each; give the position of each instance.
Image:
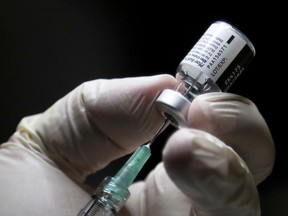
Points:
(47, 48)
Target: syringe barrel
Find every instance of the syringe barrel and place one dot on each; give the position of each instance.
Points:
(113, 192)
(108, 199)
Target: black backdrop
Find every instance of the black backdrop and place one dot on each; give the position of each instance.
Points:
(47, 48)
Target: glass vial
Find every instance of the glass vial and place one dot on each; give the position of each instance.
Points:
(213, 64)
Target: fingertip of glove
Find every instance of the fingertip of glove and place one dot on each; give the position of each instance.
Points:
(188, 147)
(166, 80)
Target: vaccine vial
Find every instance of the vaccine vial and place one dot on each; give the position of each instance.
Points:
(213, 64)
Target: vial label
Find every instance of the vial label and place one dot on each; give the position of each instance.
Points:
(222, 53)
(213, 64)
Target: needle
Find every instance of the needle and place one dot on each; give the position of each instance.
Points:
(165, 123)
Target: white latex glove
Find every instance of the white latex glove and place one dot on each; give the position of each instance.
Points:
(205, 175)
(44, 162)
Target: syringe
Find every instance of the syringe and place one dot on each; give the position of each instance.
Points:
(113, 192)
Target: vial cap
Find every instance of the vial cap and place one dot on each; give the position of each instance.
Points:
(173, 106)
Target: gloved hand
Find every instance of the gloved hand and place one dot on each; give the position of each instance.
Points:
(210, 169)
(213, 167)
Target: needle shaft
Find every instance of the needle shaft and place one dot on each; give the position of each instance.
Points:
(164, 124)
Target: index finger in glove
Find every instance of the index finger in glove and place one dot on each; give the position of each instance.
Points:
(100, 121)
